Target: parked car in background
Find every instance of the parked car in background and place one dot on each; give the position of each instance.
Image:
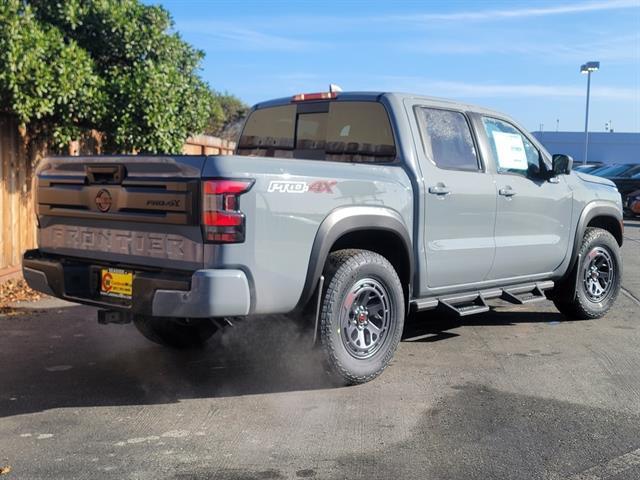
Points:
(628, 173)
(632, 205)
(617, 170)
(601, 168)
(628, 183)
(589, 167)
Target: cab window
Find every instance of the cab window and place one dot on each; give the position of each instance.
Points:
(512, 151)
(269, 131)
(447, 139)
(359, 131)
(337, 131)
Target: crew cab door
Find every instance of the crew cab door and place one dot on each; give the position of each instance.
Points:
(533, 211)
(460, 199)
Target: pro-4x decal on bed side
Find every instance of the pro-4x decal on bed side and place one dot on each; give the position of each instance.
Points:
(318, 186)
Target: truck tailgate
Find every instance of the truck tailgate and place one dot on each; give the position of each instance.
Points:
(134, 210)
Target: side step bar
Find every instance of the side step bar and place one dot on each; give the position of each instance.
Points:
(475, 302)
(520, 297)
(464, 307)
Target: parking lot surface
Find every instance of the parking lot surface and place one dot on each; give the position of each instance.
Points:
(520, 392)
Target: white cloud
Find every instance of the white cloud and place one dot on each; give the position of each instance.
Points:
(252, 33)
(608, 49)
(244, 38)
(478, 90)
(484, 15)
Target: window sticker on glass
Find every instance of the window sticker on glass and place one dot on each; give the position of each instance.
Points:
(510, 151)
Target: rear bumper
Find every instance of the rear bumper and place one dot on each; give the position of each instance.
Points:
(202, 294)
(213, 293)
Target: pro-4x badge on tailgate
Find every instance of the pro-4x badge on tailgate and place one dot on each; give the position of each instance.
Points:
(318, 186)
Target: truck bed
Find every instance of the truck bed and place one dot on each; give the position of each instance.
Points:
(144, 213)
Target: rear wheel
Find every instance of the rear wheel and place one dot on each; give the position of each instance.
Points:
(178, 333)
(362, 315)
(594, 284)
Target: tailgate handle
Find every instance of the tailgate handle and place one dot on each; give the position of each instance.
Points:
(105, 174)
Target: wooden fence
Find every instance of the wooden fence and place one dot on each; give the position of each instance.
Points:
(17, 218)
(207, 145)
(17, 225)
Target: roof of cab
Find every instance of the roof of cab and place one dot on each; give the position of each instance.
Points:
(374, 96)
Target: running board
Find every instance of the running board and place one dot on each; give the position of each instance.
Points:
(519, 297)
(463, 306)
(475, 302)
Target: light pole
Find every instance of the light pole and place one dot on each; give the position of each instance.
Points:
(588, 68)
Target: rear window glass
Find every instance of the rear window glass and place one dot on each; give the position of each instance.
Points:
(311, 133)
(269, 129)
(342, 132)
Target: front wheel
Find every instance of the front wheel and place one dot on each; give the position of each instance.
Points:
(362, 315)
(593, 286)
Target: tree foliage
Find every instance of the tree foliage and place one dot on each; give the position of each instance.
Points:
(115, 66)
(48, 81)
(228, 111)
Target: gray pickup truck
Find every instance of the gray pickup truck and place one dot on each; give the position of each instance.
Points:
(350, 210)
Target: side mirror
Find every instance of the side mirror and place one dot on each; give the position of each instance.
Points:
(562, 164)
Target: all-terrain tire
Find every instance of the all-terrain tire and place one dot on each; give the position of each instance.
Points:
(175, 333)
(366, 278)
(571, 296)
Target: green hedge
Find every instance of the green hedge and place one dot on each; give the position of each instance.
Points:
(115, 66)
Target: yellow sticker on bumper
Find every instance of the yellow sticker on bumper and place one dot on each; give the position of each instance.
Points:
(116, 283)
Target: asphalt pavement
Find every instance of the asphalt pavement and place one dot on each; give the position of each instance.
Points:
(520, 392)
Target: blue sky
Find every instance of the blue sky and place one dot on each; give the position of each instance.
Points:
(519, 57)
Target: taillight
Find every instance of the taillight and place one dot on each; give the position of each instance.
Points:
(222, 220)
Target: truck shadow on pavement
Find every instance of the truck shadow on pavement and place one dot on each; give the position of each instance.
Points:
(433, 326)
(479, 432)
(59, 359)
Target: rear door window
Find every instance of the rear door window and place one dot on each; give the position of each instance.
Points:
(447, 139)
(342, 132)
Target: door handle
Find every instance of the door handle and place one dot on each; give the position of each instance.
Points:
(507, 192)
(439, 189)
